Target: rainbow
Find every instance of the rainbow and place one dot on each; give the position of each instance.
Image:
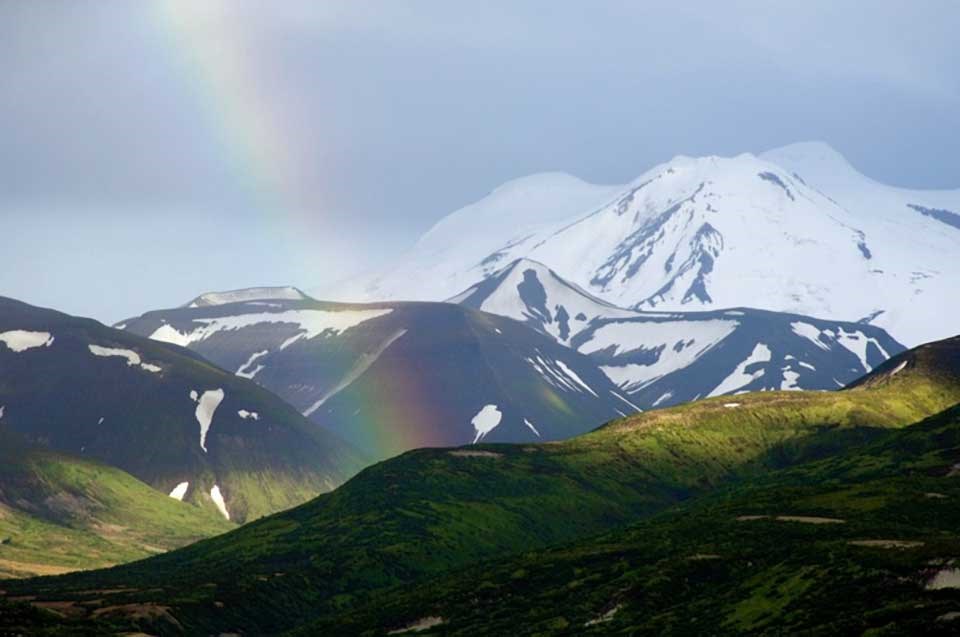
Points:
(215, 56)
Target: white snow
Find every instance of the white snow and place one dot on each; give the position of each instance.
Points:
(809, 332)
(808, 366)
(525, 421)
(506, 300)
(244, 370)
(683, 342)
(243, 413)
(616, 395)
(248, 294)
(206, 407)
(133, 358)
(945, 578)
(360, 366)
(485, 421)
(309, 323)
(22, 340)
(857, 342)
(194, 395)
(666, 396)
(218, 500)
(898, 368)
(572, 374)
(2, 407)
(796, 230)
(179, 491)
(790, 379)
(731, 405)
(739, 377)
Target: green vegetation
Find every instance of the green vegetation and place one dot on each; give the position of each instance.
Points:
(667, 487)
(846, 545)
(59, 513)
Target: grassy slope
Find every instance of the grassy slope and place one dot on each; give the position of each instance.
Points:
(432, 510)
(59, 513)
(699, 568)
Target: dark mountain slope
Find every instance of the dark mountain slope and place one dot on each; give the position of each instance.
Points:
(390, 377)
(160, 413)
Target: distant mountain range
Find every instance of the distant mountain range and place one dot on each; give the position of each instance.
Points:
(160, 413)
(389, 377)
(666, 358)
(794, 230)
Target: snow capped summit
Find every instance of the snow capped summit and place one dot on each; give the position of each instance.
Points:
(532, 293)
(794, 230)
(814, 162)
(286, 293)
(481, 237)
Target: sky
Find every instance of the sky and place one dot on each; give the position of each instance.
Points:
(151, 151)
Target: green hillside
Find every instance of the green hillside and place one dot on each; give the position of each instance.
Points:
(429, 511)
(60, 513)
(867, 542)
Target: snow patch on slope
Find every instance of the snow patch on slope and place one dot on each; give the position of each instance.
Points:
(485, 421)
(206, 406)
(244, 370)
(22, 340)
(248, 294)
(679, 349)
(525, 421)
(740, 377)
(858, 343)
(179, 491)
(133, 358)
(217, 498)
(310, 323)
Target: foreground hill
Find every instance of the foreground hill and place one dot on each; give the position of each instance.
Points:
(60, 513)
(667, 358)
(160, 413)
(866, 542)
(390, 377)
(430, 511)
(795, 230)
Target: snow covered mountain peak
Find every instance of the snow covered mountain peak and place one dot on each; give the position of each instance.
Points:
(795, 229)
(284, 293)
(532, 293)
(817, 163)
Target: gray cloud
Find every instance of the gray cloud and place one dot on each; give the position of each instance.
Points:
(311, 139)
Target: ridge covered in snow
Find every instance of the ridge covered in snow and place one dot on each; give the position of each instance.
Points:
(285, 293)
(663, 358)
(793, 230)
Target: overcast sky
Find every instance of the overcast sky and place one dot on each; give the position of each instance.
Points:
(152, 151)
